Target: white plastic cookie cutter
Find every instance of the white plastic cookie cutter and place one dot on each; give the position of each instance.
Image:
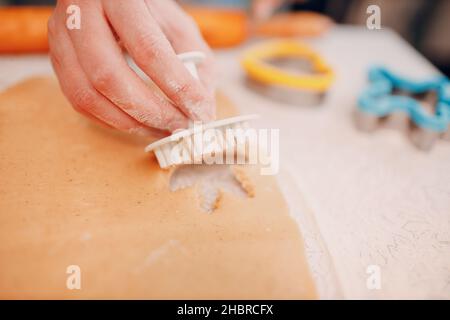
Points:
(182, 146)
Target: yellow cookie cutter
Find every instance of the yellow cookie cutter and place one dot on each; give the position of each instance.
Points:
(255, 64)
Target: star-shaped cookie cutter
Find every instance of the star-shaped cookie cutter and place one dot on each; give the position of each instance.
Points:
(392, 100)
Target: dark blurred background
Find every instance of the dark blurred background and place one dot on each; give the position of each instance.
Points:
(424, 23)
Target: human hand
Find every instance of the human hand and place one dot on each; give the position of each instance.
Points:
(95, 77)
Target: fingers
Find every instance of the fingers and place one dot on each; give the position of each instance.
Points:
(184, 35)
(75, 85)
(108, 73)
(153, 53)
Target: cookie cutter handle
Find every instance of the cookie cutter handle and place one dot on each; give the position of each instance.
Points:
(190, 60)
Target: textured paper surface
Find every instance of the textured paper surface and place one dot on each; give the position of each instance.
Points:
(72, 193)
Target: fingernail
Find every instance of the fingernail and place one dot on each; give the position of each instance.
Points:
(176, 124)
(203, 111)
(141, 131)
(212, 111)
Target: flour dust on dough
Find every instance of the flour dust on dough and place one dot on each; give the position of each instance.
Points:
(211, 181)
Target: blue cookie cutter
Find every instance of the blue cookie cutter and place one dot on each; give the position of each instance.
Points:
(378, 99)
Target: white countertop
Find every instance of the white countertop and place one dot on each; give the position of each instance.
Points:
(359, 199)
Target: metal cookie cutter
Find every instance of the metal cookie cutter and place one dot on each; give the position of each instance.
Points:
(184, 146)
(420, 108)
(288, 71)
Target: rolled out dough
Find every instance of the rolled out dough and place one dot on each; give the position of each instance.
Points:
(72, 193)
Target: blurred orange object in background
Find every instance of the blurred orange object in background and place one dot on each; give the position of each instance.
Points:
(24, 29)
(221, 27)
(295, 24)
(224, 27)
